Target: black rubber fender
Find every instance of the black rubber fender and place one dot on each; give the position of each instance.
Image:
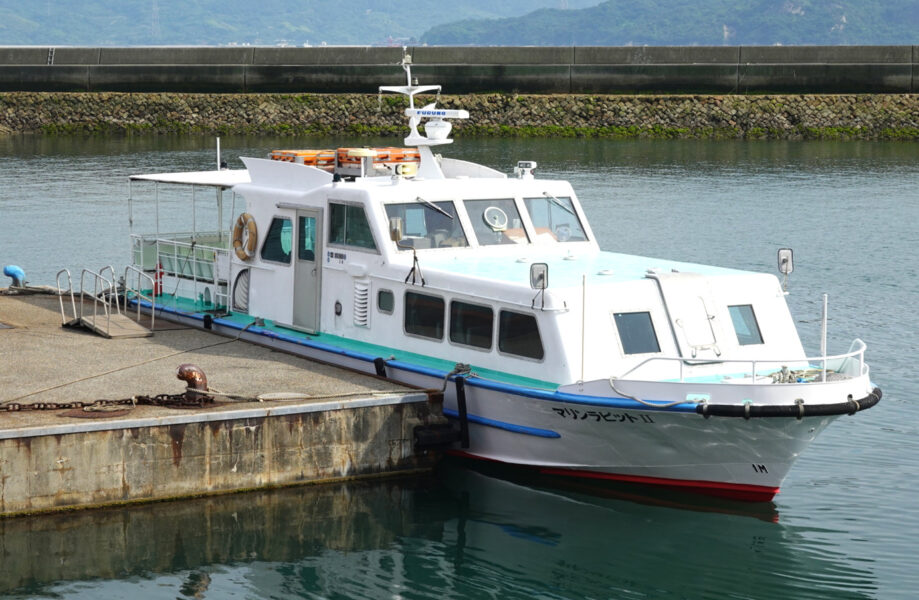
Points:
(798, 411)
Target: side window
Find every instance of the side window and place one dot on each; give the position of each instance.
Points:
(278, 241)
(348, 226)
(554, 219)
(636, 332)
(424, 315)
(745, 325)
(386, 302)
(471, 324)
(518, 334)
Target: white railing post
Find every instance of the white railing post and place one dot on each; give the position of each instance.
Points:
(823, 337)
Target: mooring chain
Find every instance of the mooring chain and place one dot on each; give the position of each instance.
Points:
(158, 400)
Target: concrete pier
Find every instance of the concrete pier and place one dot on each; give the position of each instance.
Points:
(343, 425)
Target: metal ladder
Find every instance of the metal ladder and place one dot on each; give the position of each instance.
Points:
(101, 311)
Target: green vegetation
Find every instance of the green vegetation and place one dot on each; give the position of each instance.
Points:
(793, 116)
(696, 22)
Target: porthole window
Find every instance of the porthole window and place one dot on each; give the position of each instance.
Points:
(519, 335)
(278, 241)
(424, 315)
(636, 332)
(386, 302)
(471, 324)
(745, 325)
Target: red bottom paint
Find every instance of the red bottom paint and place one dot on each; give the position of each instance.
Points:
(732, 491)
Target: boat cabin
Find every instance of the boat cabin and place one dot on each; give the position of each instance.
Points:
(443, 267)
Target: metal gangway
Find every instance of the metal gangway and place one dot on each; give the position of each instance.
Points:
(103, 308)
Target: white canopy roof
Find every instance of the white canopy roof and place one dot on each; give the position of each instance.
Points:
(220, 179)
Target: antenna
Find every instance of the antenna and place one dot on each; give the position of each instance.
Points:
(436, 129)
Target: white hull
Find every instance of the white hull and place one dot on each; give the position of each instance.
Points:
(597, 438)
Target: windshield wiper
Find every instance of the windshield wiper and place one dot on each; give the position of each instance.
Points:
(558, 203)
(433, 206)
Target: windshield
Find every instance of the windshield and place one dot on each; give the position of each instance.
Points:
(496, 222)
(554, 219)
(425, 224)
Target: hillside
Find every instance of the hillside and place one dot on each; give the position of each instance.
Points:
(696, 22)
(268, 22)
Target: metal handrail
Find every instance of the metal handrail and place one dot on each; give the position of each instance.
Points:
(137, 291)
(102, 292)
(856, 349)
(60, 295)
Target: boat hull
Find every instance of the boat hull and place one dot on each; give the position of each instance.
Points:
(735, 458)
(588, 437)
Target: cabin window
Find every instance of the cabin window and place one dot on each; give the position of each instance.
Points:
(496, 222)
(636, 332)
(424, 315)
(423, 226)
(745, 325)
(348, 226)
(306, 247)
(554, 219)
(471, 324)
(386, 302)
(518, 334)
(278, 241)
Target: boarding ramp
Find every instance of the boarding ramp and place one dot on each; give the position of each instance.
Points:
(103, 307)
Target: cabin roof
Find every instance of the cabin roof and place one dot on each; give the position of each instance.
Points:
(225, 178)
(565, 271)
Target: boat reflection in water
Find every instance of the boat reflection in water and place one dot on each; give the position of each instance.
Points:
(462, 534)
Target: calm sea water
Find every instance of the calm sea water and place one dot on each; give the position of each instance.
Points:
(844, 526)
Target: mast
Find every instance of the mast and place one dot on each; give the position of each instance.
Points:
(436, 128)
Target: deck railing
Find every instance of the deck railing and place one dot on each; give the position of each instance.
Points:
(203, 259)
(839, 363)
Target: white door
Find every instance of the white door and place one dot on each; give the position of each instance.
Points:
(308, 269)
(688, 300)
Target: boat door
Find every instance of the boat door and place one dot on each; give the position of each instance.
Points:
(308, 270)
(689, 303)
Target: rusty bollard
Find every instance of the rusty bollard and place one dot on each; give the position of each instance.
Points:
(196, 381)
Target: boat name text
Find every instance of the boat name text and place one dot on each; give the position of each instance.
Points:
(571, 413)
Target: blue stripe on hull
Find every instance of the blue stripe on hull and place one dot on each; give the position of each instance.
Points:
(543, 433)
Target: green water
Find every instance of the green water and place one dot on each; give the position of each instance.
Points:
(844, 525)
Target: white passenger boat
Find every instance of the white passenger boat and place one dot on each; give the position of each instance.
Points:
(555, 355)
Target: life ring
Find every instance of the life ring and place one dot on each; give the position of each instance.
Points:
(245, 236)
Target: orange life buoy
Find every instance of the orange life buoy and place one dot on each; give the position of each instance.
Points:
(245, 236)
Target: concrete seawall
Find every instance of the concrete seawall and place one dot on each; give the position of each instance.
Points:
(787, 116)
(339, 424)
(793, 92)
(526, 70)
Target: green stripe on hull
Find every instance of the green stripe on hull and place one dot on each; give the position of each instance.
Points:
(241, 319)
